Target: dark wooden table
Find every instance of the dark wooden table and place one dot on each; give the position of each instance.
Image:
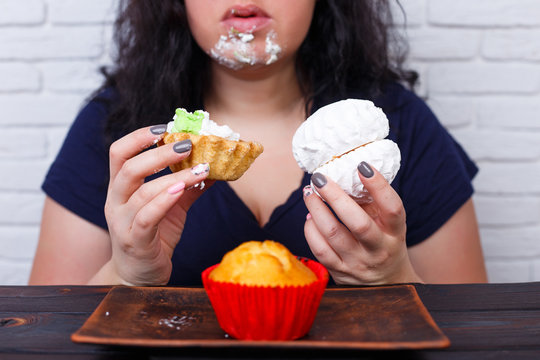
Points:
(484, 321)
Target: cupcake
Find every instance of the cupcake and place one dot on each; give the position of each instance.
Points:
(260, 291)
(228, 156)
(337, 137)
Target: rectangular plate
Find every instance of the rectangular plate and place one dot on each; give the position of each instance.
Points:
(389, 317)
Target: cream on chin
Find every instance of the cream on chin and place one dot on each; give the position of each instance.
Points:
(236, 50)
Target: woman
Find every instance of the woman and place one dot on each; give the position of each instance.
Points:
(259, 66)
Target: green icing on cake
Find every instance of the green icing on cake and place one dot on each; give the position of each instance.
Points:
(184, 121)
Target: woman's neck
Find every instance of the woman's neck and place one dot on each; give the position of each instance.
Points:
(266, 107)
(266, 92)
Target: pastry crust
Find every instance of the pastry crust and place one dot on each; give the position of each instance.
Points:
(228, 159)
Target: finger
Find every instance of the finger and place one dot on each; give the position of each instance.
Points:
(320, 248)
(335, 233)
(133, 172)
(130, 145)
(348, 211)
(181, 182)
(195, 191)
(390, 207)
(147, 219)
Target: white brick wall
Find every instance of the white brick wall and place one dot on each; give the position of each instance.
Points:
(480, 69)
(480, 62)
(50, 51)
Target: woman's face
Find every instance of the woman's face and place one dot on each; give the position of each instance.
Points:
(249, 33)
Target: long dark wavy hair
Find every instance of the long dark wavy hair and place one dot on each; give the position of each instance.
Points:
(351, 45)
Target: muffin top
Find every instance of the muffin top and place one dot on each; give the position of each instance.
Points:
(266, 263)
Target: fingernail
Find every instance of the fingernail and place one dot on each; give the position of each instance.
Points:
(307, 191)
(308, 216)
(176, 188)
(158, 129)
(200, 169)
(182, 146)
(365, 169)
(319, 180)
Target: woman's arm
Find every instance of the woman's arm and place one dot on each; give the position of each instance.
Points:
(145, 219)
(453, 254)
(368, 245)
(71, 250)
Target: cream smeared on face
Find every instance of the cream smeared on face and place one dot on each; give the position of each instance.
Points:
(272, 49)
(236, 50)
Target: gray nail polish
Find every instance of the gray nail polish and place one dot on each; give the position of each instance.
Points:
(365, 169)
(182, 146)
(319, 180)
(158, 129)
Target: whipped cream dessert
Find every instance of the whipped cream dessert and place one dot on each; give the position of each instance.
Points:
(215, 149)
(199, 123)
(337, 137)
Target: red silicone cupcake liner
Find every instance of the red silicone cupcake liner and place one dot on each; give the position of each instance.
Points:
(266, 313)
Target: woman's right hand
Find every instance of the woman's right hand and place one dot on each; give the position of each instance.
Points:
(146, 219)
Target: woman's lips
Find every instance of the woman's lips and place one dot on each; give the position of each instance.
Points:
(245, 18)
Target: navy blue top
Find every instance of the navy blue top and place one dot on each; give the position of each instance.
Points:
(434, 181)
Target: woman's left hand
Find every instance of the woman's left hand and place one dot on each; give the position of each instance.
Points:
(368, 245)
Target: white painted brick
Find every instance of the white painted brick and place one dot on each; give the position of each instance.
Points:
(68, 76)
(51, 43)
(18, 243)
(444, 44)
(535, 271)
(21, 176)
(476, 78)
(39, 110)
(520, 44)
(453, 112)
(412, 15)
(510, 242)
(82, 12)
(26, 12)
(110, 47)
(479, 65)
(509, 271)
(508, 210)
(488, 13)
(21, 208)
(15, 273)
(19, 77)
(499, 145)
(23, 144)
(510, 112)
(508, 178)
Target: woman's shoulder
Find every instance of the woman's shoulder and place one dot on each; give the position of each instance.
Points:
(408, 114)
(93, 114)
(435, 175)
(396, 99)
(101, 100)
(78, 177)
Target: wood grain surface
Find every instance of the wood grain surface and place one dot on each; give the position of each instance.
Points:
(362, 318)
(483, 321)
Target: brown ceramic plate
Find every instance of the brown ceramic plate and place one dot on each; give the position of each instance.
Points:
(390, 317)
